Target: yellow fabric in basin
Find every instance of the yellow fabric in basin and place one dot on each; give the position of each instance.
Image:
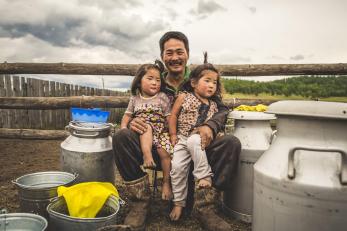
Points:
(85, 200)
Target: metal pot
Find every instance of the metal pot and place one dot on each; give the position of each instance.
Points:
(254, 132)
(36, 190)
(300, 181)
(60, 220)
(22, 221)
(88, 152)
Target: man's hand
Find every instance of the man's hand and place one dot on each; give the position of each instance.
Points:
(206, 135)
(138, 125)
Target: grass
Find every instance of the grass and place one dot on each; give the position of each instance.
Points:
(265, 96)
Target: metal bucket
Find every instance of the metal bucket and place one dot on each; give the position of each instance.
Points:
(36, 190)
(60, 220)
(22, 221)
(88, 152)
(254, 132)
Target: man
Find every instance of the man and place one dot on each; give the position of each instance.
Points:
(222, 152)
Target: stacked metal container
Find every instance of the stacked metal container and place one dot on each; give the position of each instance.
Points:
(300, 181)
(254, 132)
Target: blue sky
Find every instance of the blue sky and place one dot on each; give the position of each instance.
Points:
(127, 31)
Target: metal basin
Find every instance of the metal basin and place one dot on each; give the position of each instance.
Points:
(22, 221)
(36, 190)
(60, 220)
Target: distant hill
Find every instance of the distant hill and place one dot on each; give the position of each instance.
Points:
(306, 86)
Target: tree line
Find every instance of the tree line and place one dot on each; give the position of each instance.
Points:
(306, 86)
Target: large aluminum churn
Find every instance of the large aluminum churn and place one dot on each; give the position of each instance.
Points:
(88, 152)
(254, 132)
(300, 182)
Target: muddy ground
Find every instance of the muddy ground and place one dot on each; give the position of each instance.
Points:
(20, 157)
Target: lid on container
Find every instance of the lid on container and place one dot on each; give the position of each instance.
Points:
(250, 115)
(88, 126)
(309, 108)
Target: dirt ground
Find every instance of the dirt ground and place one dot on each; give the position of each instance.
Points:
(20, 157)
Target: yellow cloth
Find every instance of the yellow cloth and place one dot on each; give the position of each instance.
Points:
(259, 108)
(85, 200)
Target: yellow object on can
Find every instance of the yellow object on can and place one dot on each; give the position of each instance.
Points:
(258, 108)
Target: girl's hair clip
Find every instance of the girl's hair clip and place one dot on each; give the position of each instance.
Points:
(205, 57)
(159, 64)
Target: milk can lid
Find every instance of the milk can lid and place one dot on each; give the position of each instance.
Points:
(309, 108)
(88, 126)
(250, 115)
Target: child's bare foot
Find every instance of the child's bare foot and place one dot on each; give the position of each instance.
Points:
(148, 162)
(205, 182)
(176, 213)
(166, 191)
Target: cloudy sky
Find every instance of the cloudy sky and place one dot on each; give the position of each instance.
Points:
(127, 31)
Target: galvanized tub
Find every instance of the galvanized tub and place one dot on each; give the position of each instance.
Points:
(254, 132)
(300, 182)
(60, 220)
(88, 152)
(36, 190)
(22, 221)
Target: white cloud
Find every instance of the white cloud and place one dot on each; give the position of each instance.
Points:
(117, 31)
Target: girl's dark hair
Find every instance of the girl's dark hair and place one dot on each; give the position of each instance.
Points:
(136, 84)
(197, 74)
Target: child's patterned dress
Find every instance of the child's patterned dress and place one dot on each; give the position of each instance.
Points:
(154, 110)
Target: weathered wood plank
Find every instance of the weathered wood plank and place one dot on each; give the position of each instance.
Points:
(15, 119)
(33, 134)
(25, 113)
(90, 102)
(68, 68)
(8, 90)
(52, 113)
(130, 69)
(2, 86)
(3, 114)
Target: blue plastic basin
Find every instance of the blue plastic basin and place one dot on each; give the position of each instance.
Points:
(89, 115)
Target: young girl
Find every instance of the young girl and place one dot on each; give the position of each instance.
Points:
(152, 105)
(192, 108)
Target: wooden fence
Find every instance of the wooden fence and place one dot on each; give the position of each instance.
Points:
(15, 86)
(38, 104)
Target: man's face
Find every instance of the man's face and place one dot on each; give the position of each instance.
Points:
(175, 56)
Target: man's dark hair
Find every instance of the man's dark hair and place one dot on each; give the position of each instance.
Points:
(173, 35)
(136, 84)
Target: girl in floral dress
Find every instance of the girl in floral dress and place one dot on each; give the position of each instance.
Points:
(149, 102)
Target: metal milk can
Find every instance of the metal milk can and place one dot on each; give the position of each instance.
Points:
(254, 131)
(88, 152)
(300, 182)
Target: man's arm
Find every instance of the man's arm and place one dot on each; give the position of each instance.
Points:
(173, 118)
(210, 129)
(125, 120)
(218, 120)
